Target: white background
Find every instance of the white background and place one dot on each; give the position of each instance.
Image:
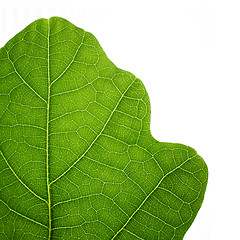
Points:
(187, 53)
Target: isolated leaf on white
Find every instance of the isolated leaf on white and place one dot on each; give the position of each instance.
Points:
(77, 158)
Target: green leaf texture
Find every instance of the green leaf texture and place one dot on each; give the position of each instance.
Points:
(77, 158)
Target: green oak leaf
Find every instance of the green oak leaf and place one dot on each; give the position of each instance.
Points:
(77, 158)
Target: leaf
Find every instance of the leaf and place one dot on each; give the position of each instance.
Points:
(77, 158)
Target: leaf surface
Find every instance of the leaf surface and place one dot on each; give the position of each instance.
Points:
(77, 158)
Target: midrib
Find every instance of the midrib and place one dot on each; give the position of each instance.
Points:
(47, 141)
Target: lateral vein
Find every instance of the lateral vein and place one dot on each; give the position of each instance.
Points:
(96, 138)
(23, 216)
(19, 75)
(18, 178)
(150, 195)
(74, 57)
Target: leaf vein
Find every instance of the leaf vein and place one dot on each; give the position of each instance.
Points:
(56, 179)
(19, 75)
(18, 178)
(134, 213)
(69, 65)
(23, 216)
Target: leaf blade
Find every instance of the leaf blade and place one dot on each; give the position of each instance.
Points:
(76, 130)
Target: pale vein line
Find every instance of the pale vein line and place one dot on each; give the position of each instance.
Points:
(67, 227)
(139, 147)
(80, 225)
(74, 199)
(19, 75)
(150, 214)
(150, 195)
(96, 136)
(88, 196)
(20, 179)
(133, 234)
(47, 142)
(23, 216)
(23, 125)
(73, 90)
(69, 65)
(173, 194)
(117, 169)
